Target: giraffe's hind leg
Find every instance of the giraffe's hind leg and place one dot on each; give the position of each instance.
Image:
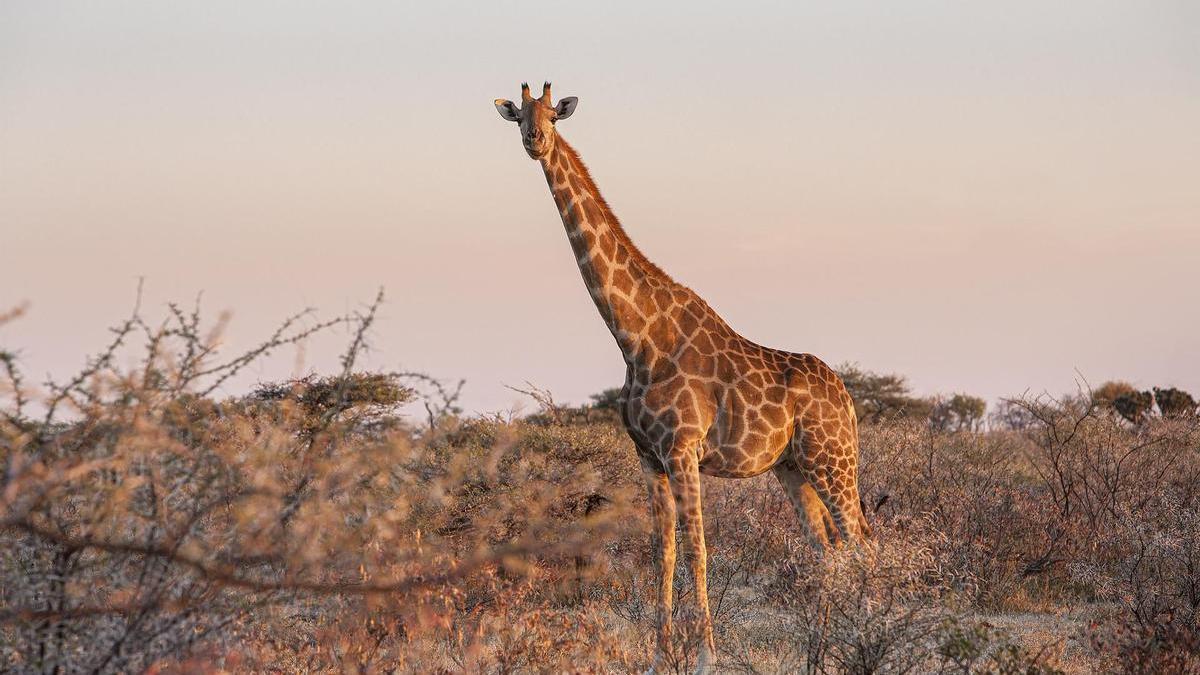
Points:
(811, 511)
(831, 465)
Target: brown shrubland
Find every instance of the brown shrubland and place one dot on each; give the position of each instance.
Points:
(359, 522)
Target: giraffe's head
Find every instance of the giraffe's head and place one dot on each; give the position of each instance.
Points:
(536, 117)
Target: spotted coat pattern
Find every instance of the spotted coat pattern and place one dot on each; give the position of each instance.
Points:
(698, 397)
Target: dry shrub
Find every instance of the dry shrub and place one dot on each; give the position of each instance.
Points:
(552, 640)
(980, 648)
(1151, 570)
(1021, 506)
(1129, 647)
(890, 606)
(143, 522)
(974, 488)
(1090, 466)
(868, 609)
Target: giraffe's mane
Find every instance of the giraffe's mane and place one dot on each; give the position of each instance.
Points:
(622, 236)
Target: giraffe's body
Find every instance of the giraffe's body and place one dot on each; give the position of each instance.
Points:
(698, 397)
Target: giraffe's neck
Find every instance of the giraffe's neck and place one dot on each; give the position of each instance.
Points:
(614, 270)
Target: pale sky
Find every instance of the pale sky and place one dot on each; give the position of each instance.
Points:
(985, 199)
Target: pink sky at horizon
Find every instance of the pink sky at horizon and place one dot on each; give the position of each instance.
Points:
(989, 200)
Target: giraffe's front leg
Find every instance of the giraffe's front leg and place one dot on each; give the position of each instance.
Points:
(662, 521)
(684, 471)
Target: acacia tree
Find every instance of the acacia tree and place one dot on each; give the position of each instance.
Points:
(1134, 406)
(1174, 402)
(960, 412)
(1106, 395)
(881, 396)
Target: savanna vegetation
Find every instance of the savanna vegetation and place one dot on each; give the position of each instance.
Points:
(357, 521)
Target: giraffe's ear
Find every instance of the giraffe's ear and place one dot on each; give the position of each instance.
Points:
(565, 107)
(507, 110)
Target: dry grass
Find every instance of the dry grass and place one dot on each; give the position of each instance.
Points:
(311, 526)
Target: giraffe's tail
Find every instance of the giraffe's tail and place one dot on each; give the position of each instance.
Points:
(864, 528)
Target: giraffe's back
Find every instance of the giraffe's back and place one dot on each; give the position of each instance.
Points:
(740, 400)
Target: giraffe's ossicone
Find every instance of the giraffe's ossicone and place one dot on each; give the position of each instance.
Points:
(698, 397)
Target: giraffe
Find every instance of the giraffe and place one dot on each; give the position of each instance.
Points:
(698, 397)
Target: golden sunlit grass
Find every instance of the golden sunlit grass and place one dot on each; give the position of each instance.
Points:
(312, 525)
